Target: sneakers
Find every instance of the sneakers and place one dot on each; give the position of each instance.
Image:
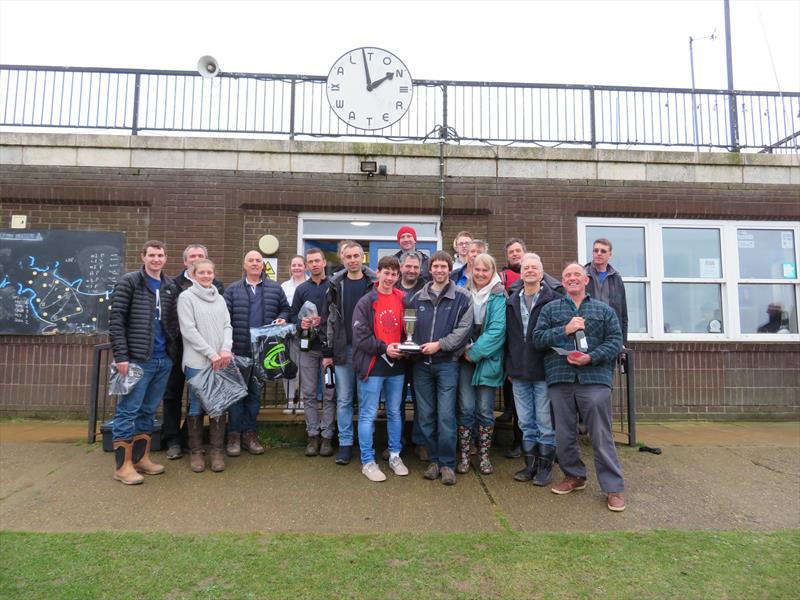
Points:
(326, 447)
(174, 452)
(299, 407)
(569, 484)
(432, 472)
(616, 501)
(289, 410)
(396, 464)
(448, 476)
(373, 472)
(344, 455)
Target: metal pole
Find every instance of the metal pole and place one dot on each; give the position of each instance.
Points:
(731, 96)
(592, 119)
(694, 102)
(136, 88)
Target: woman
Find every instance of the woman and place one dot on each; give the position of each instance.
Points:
(207, 340)
(481, 371)
(297, 270)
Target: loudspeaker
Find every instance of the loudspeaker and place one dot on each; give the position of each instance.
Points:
(208, 66)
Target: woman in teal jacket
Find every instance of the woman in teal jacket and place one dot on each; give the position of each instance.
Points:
(481, 369)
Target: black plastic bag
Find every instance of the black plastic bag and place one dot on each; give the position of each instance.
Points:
(270, 352)
(218, 390)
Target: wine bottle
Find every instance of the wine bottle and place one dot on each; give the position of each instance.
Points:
(581, 344)
(330, 377)
(305, 340)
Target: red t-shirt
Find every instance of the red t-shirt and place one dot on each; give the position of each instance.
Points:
(388, 327)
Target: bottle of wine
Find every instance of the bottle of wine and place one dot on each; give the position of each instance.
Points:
(305, 340)
(330, 377)
(581, 344)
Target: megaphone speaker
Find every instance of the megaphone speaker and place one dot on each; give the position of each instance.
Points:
(208, 66)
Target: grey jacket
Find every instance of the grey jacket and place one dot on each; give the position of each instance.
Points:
(335, 345)
(612, 292)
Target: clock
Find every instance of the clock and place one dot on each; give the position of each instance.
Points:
(369, 88)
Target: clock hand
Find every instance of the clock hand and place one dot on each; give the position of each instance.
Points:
(366, 70)
(380, 81)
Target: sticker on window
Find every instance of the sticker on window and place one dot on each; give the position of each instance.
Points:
(789, 271)
(787, 240)
(709, 268)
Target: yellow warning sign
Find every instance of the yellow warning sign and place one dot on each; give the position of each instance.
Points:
(271, 268)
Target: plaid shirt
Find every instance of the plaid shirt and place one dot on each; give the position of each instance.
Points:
(602, 332)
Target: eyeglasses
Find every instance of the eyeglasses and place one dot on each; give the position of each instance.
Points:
(600, 251)
(463, 244)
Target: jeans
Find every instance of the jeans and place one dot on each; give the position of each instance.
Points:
(242, 415)
(346, 385)
(310, 377)
(533, 409)
(370, 393)
(136, 411)
(195, 406)
(435, 385)
(474, 402)
(416, 433)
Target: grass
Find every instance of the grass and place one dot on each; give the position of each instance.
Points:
(654, 564)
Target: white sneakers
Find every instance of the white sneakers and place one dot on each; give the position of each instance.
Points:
(373, 472)
(396, 464)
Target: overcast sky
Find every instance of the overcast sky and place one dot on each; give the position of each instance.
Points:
(614, 43)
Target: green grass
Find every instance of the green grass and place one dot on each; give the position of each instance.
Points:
(655, 564)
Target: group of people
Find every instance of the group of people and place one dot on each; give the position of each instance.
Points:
(552, 343)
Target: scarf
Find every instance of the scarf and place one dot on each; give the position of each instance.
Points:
(480, 298)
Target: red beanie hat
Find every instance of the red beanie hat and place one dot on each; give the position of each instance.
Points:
(406, 229)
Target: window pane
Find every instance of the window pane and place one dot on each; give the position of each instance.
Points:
(691, 253)
(692, 308)
(767, 308)
(628, 248)
(766, 254)
(360, 229)
(637, 307)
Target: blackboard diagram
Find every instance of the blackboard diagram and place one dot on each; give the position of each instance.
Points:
(57, 281)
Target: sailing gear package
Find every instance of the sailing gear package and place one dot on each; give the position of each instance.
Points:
(119, 385)
(219, 389)
(271, 352)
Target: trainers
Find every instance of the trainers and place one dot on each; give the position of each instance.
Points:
(432, 472)
(373, 472)
(569, 484)
(174, 452)
(396, 464)
(289, 408)
(616, 501)
(326, 448)
(422, 453)
(448, 476)
(299, 410)
(344, 455)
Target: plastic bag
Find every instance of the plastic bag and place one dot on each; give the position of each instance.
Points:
(119, 385)
(269, 345)
(218, 390)
(308, 310)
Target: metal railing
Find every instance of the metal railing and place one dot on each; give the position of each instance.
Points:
(279, 105)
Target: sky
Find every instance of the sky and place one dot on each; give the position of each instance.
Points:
(626, 43)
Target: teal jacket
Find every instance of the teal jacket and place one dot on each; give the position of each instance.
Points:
(487, 351)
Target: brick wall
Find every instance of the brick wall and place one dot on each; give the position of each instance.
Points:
(229, 211)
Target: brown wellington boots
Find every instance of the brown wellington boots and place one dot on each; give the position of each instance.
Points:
(141, 456)
(123, 463)
(216, 430)
(197, 459)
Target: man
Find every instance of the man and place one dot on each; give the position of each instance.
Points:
(377, 360)
(444, 322)
(253, 301)
(605, 283)
(460, 248)
(410, 281)
(314, 290)
(407, 239)
(173, 435)
(515, 249)
(143, 326)
(460, 276)
(344, 291)
(580, 382)
(525, 369)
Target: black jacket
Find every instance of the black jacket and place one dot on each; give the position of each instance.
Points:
(612, 292)
(424, 266)
(523, 360)
(448, 320)
(237, 297)
(131, 324)
(184, 283)
(548, 281)
(333, 318)
(366, 345)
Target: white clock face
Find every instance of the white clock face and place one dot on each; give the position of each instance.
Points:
(369, 88)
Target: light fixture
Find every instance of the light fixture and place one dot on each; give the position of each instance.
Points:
(370, 167)
(360, 223)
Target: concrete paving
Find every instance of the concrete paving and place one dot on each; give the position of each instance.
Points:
(709, 476)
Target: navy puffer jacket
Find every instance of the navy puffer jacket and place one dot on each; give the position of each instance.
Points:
(237, 297)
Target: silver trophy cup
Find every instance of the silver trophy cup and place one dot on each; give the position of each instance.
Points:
(410, 320)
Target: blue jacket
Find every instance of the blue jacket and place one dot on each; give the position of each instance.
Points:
(487, 351)
(448, 320)
(237, 297)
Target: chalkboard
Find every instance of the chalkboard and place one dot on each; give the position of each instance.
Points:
(56, 281)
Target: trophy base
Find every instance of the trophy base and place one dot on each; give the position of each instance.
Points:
(409, 348)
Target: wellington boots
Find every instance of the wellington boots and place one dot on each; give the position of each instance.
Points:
(216, 430)
(141, 456)
(485, 433)
(529, 453)
(197, 460)
(464, 439)
(123, 463)
(544, 464)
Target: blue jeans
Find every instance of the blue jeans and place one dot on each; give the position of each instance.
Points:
(242, 414)
(435, 385)
(136, 411)
(195, 406)
(533, 412)
(416, 433)
(370, 394)
(346, 386)
(474, 402)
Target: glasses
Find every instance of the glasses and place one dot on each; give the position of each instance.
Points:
(463, 243)
(600, 251)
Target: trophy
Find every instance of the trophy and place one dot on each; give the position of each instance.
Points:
(409, 320)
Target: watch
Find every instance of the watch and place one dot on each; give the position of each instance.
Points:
(369, 88)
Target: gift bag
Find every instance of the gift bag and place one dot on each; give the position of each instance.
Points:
(270, 351)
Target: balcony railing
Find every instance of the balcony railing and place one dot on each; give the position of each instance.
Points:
(275, 105)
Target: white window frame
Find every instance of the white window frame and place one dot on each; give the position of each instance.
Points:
(729, 281)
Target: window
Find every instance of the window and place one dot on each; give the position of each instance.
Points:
(703, 280)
